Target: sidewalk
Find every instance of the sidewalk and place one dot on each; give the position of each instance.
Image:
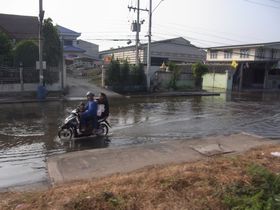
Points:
(102, 162)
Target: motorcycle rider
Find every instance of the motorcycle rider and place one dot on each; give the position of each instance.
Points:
(103, 106)
(90, 112)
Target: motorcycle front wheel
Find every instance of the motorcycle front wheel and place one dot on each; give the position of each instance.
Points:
(65, 134)
(102, 130)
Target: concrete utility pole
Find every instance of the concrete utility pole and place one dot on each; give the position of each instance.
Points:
(149, 47)
(136, 27)
(41, 18)
(137, 32)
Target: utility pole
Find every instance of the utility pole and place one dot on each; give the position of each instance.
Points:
(149, 47)
(137, 32)
(41, 18)
(136, 27)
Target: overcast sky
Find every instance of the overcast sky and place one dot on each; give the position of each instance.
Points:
(204, 22)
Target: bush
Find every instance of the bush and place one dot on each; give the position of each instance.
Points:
(263, 193)
(123, 75)
(26, 52)
(175, 75)
(198, 70)
(5, 49)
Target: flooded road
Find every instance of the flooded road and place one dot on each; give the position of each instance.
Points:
(28, 131)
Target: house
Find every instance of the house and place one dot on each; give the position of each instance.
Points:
(78, 54)
(19, 27)
(70, 48)
(249, 66)
(178, 50)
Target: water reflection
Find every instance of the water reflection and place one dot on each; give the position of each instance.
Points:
(28, 132)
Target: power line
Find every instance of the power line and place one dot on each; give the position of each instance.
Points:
(261, 4)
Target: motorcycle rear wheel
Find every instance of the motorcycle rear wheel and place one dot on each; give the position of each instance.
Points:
(102, 130)
(65, 134)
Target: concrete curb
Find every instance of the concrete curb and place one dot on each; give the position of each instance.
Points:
(66, 98)
(103, 162)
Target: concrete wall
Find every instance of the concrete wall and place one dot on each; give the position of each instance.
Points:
(218, 80)
(27, 87)
(163, 78)
(273, 82)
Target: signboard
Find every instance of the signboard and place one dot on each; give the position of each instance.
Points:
(234, 64)
(38, 65)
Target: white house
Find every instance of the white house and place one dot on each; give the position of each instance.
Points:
(256, 65)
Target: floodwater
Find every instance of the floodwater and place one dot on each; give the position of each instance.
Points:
(28, 131)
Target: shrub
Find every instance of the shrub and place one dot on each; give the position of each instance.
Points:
(198, 70)
(26, 52)
(5, 49)
(263, 193)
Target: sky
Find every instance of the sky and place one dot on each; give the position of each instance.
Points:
(205, 23)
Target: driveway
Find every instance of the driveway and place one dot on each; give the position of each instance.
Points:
(78, 87)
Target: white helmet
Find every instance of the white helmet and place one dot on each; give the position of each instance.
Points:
(90, 93)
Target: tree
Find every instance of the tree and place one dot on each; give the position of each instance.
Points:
(124, 73)
(198, 70)
(5, 49)
(138, 76)
(51, 47)
(26, 52)
(175, 74)
(113, 73)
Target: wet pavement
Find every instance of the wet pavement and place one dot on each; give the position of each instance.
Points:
(28, 130)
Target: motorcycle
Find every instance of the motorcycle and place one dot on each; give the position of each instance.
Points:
(71, 127)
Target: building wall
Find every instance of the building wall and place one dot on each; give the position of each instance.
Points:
(273, 82)
(163, 79)
(253, 54)
(90, 48)
(129, 55)
(235, 56)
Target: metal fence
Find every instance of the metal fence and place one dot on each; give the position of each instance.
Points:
(11, 75)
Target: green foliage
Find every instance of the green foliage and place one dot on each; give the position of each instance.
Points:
(51, 47)
(113, 73)
(124, 74)
(175, 75)
(137, 75)
(262, 194)
(5, 49)
(26, 52)
(198, 70)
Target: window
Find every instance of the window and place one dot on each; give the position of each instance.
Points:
(68, 42)
(244, 53)
(228, 54)
(260, 53)
(274, 53)
(213, 54)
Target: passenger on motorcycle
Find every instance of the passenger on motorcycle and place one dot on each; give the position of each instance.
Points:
(90, 112)
(103, 106)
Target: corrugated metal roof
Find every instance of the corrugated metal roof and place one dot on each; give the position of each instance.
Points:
(19, 27)
(268, 44)
(178, 41)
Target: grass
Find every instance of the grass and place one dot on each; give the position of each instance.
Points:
(197, 185)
